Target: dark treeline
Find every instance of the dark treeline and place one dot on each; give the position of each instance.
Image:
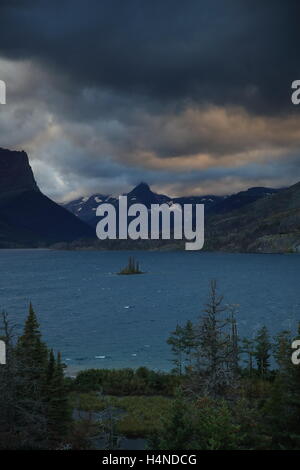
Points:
(126, 382)
(224, 392)
(231, 397)
(34, 410)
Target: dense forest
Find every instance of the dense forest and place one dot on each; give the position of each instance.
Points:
(224, 392)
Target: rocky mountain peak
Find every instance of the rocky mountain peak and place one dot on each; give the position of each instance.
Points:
(16, 175)
(141, 188)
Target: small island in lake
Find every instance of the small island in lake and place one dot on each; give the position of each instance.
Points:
(132, 267)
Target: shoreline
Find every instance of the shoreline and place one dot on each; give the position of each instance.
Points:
(156, 250)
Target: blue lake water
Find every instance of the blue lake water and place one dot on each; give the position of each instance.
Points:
(97, 318)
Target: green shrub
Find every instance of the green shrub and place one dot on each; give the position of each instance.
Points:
(122, 382)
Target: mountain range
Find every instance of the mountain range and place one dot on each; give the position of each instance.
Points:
(85, 207)
(261, 220)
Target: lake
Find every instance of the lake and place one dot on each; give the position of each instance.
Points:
(97, 318)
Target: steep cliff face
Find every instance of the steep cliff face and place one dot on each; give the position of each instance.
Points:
(16, 175)
(27, 216)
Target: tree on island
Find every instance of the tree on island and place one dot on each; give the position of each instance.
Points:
(132, 267)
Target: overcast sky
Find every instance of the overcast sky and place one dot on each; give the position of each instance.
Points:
(192, 96)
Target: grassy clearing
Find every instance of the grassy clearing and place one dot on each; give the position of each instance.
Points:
(143, 414)
(142, 417)
(88, 401)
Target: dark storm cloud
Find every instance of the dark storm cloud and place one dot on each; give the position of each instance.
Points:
(193, 97)
(222, 52)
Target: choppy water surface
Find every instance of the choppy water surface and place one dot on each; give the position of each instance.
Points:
(97, 318)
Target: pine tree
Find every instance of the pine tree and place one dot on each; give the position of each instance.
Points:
(189, 342)
(50, 368)
(282, 351)
(292, 394)
(30, 348)
(32, 355)
(23, 384)
(248, 350)
(182, 342)
(177, 345)
(9, 408)
(283, 406)
(262, 350)
(214, 370)
(175, 432)
(33, 399)
(58, 410)
(233, 345)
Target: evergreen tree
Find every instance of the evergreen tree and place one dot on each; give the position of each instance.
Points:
(291, 380)
(282, 351)
(34, 411)
(214, 369)
(31, 350)
(182, 342)
(8, 388)
(262, 350)
(279, 408)
(50, 369)
(201, 425)
(189, 342)
(247, 349)
(175, 432)
(233, 344)
(176, 342)
(58, 410)
(32, 355)
(21, 397)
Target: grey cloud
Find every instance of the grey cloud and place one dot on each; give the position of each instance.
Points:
(224, 52)
(187, 96)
